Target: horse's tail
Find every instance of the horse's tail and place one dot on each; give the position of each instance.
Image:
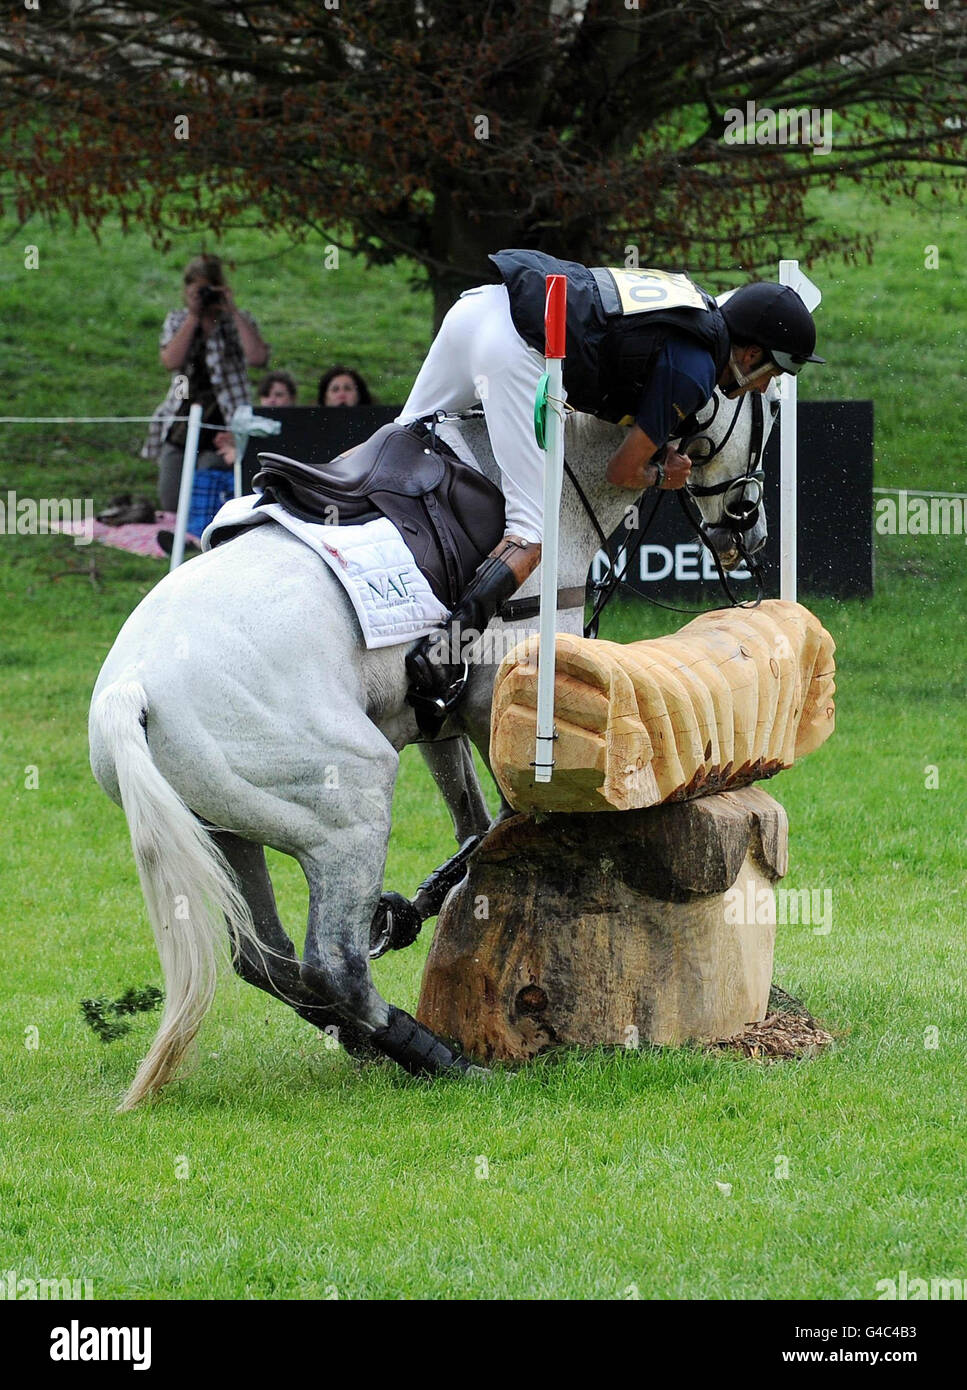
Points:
(188, 887)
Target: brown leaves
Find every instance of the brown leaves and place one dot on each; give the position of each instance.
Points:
(604, 124)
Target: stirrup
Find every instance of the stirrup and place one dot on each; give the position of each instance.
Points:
(432, 710)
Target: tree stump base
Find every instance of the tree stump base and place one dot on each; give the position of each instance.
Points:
(610, 928)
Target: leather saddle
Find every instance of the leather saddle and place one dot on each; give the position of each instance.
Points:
(449, 515)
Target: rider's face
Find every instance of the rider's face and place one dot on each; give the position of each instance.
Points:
(751, 361)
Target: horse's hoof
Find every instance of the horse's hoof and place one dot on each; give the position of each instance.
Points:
(417, 1048)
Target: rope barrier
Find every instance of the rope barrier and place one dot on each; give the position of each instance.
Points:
(93, 420)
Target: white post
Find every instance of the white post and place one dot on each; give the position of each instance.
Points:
(187, 480)
(788, 463)
(241, 444)
(554, 321)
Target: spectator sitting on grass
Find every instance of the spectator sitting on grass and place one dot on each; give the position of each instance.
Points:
(343, 386)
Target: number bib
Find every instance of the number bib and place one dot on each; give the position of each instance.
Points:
(642, 290)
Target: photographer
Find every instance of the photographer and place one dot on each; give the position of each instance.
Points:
(207, 347)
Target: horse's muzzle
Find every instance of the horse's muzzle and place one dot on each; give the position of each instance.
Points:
(731, 549)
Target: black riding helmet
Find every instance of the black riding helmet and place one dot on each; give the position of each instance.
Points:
(774, 317)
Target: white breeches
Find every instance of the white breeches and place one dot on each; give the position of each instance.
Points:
(479, 357)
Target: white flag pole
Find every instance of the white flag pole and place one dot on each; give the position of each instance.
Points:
(788, 439)
(184, 492)
(790, 274)
(555, 312)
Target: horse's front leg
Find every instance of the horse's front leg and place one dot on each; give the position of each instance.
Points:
(451, 764)
(398, 920)
(473, 716)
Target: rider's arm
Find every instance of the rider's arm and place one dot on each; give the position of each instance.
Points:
(680, 381)
(631, 467)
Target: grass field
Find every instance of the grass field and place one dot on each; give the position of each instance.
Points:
(279, 1169)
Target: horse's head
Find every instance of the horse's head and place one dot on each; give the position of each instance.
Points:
(726, 481)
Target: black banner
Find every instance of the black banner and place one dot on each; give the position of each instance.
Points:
(313, 433)
(64, 1342)
(835, 506)
(834, 518)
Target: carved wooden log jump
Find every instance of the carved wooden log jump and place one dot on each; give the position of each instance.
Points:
(610, 929)
(633, 924)
(735, 696)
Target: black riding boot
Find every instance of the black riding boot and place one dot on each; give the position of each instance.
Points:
(437, 666)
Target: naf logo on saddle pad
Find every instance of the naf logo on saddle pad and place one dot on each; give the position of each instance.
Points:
(387, 584)
(388, 591)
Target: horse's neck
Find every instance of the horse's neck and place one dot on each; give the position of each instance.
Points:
(588, 445)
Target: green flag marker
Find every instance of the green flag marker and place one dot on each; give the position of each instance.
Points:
(540, 410)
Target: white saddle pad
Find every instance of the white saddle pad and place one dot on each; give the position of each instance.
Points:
(390, 595)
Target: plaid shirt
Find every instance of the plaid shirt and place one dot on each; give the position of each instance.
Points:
(225, 359)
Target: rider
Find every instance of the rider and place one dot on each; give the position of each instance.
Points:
(644, 348)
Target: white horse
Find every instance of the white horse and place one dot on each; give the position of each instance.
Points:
(238, 708)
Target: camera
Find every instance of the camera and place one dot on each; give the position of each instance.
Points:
(209, 296)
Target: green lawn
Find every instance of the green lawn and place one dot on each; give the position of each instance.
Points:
(279, 1169)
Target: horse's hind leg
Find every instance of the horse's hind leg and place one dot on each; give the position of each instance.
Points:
(275, 968)
(345, 877)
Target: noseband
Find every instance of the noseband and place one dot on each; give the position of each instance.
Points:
(741, 514)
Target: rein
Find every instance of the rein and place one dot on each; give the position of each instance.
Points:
(742, 520)
(600, 593)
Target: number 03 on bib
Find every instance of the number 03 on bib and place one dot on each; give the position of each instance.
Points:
(641, 290)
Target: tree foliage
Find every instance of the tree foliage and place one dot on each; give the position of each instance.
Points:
(439, 130)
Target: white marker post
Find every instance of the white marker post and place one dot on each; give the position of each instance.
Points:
(790, 274)
(555, 317)
(187, 482)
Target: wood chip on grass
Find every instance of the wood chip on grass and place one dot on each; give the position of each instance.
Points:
(788, 1030)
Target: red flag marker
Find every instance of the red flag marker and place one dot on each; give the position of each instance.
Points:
(555, 316)
(555, 336)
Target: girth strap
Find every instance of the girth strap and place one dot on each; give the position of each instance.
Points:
(515, 610)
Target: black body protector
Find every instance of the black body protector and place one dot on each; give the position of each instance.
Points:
(616, 322)
(616, 325)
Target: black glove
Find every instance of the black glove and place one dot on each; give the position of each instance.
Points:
(437, 670)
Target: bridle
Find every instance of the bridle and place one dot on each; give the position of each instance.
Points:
(740, 514)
